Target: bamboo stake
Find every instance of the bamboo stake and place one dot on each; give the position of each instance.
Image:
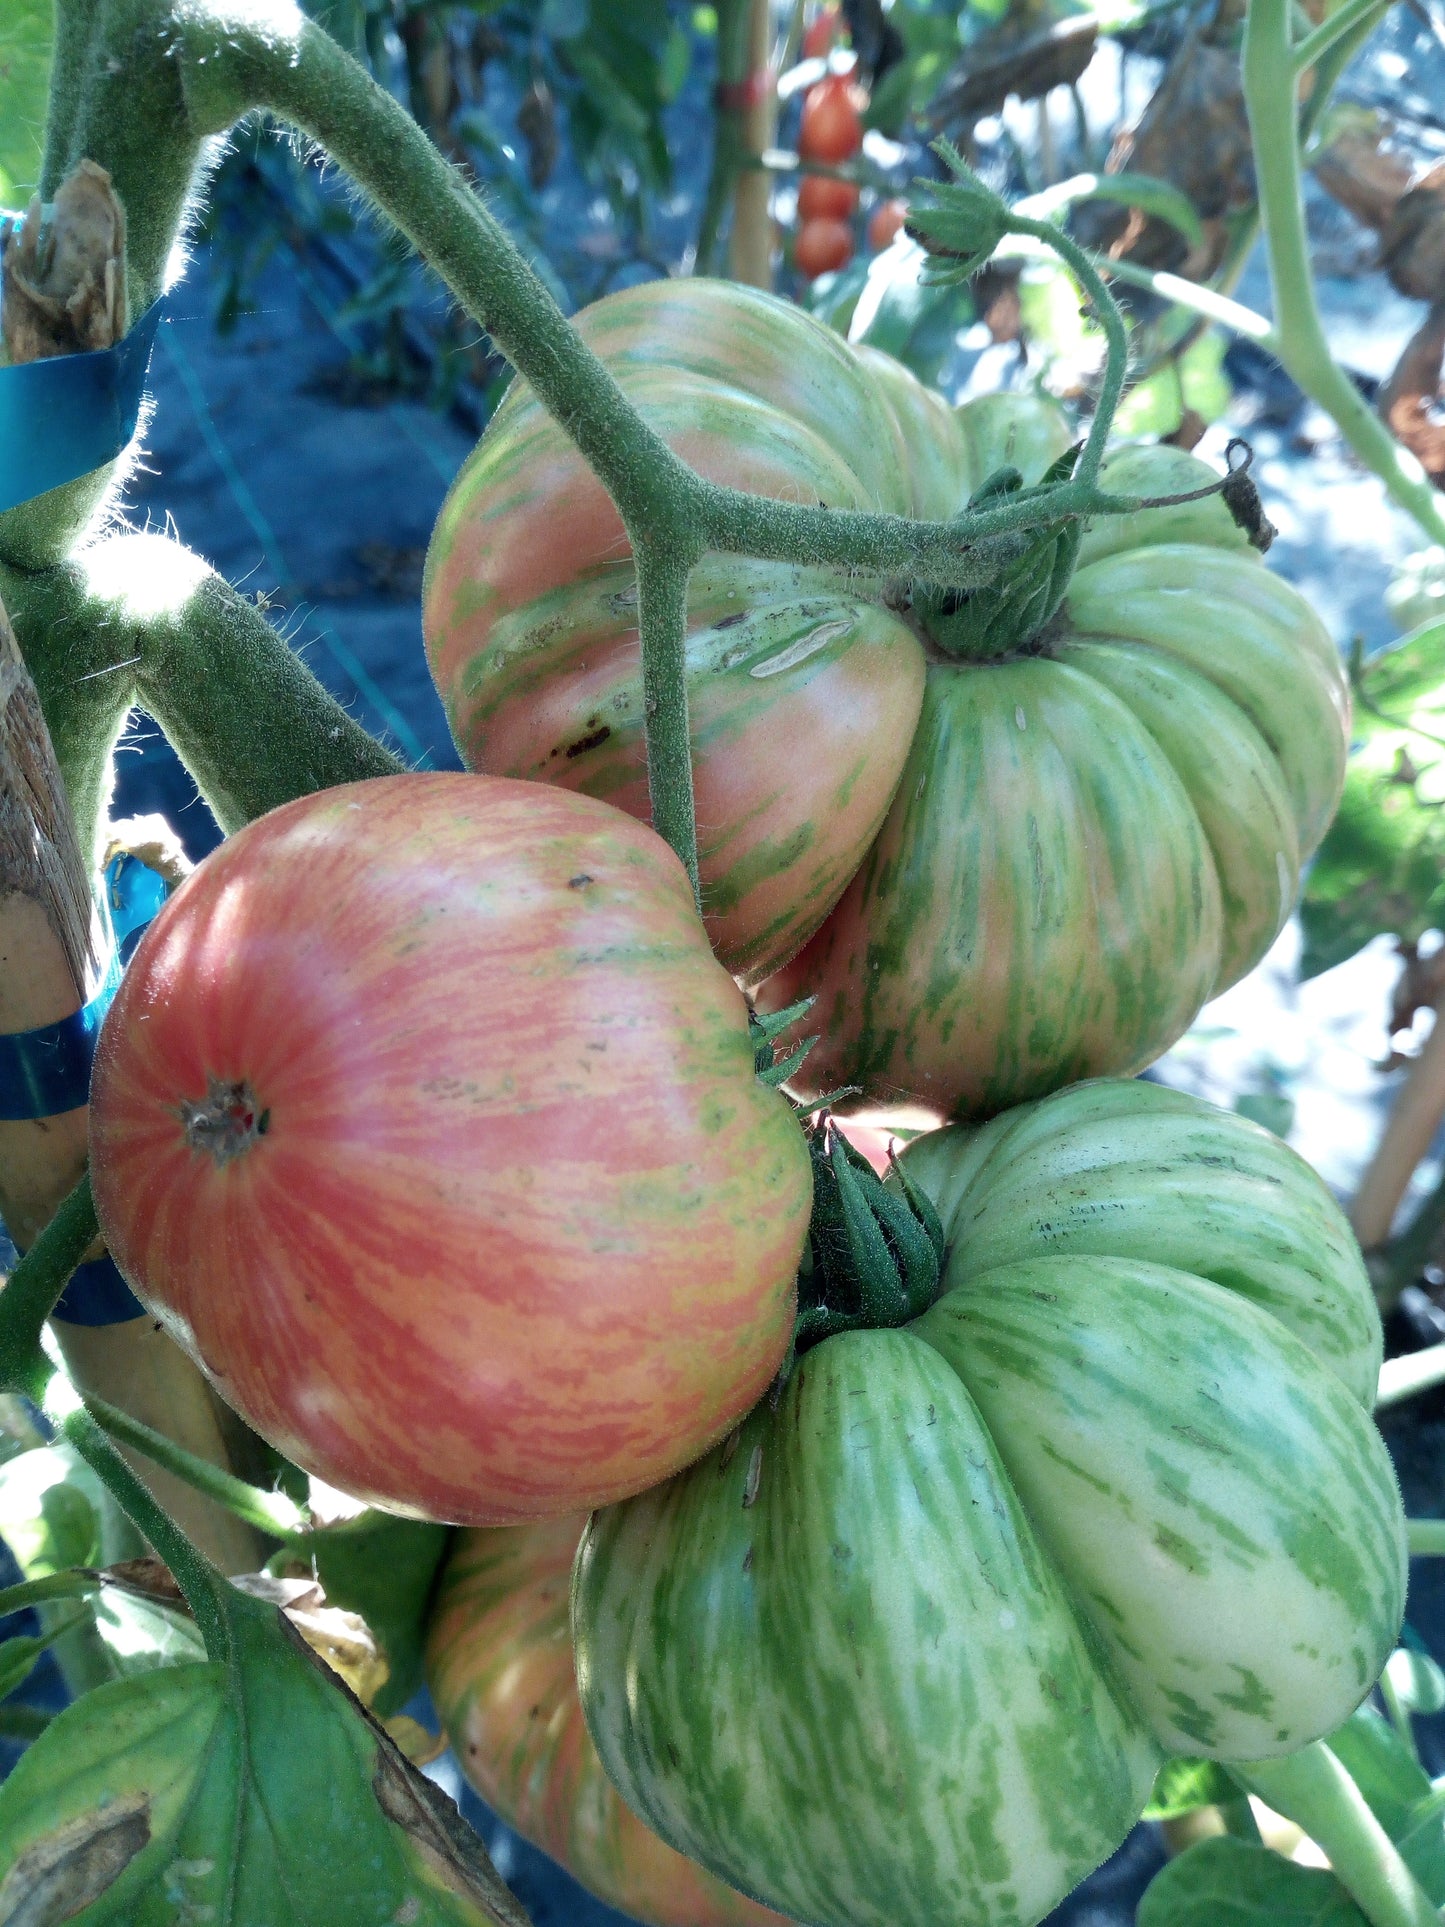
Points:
(750, 248)
(1407, 1136)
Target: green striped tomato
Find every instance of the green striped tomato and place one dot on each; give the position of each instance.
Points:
(1093, 834)
(909, 1647)
(1043, 864)
(499, 1664)
(426, 1121)
(804, 690)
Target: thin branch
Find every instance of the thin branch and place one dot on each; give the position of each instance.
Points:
(1300, 345)
(270, 1512)
(34, 1286)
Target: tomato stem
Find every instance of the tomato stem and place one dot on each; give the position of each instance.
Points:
(33, 1287)
(197, 1578)
(1270, 91)
(1313, 1789)
(268, 1512)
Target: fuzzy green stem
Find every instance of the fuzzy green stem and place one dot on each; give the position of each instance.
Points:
(55, 1585)
(663, 568)
(33, 1287)
(142, 620)
(269, 1512)
(1313, 1789)
(1269, 88)
(1426, 1538)
(1116, 338)
(197, 1578)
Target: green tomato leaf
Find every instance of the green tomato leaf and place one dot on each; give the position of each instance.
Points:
(1381, 866)
(18, 1656)
(1272, 1109)
(1197, 381)
(1185, 1785)
(235, 1793)
(385, 1569)
(1233, 1883)
(908, 317)
(26, 30)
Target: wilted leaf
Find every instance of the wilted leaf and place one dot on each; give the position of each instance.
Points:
(238, 1793)
(385, 1570)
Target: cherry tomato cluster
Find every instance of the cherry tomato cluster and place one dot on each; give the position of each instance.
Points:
(831, 134)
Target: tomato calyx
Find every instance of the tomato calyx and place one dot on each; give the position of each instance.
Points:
(875, 1252)
(226, 1122)
(1008, 616)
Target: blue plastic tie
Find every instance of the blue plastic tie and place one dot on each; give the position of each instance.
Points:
(68, 414)
(98, 1295)
(45, 1072)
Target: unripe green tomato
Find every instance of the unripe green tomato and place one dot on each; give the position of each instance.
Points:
(909, 1647)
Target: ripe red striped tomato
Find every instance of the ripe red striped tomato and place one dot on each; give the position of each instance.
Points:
(426, 1121)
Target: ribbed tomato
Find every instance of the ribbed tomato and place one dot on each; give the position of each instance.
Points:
(804, 689)
(822, 197)
(822, 247)
(1104, 814)
(499, 1664)
(427, 1123)
(831, 129)
(908, 1647)
(1100, 827)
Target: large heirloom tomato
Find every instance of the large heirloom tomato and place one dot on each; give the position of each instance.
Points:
(499, 1663)
(1101, 821)
(907, 1648)
(1099, 827)
(427, 1123)
(804, 691)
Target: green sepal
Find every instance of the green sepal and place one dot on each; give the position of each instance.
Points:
(963, 225)
(1005, 615)
(875, 1251)
(765, 1029)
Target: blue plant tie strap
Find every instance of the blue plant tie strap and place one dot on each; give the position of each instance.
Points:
(46, 1072)
(68, 414)
(133, 893)
(51, 1068)
(98, 1295)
